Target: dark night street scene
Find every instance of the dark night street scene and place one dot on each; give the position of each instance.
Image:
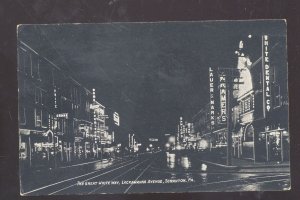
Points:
(157, 107)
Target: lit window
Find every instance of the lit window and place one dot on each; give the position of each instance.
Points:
(38, 117)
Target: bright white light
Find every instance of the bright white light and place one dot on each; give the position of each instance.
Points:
(249, 36)
(203, 144)
(203, 167)
(167, 145)
(172, 140)
(178, 147)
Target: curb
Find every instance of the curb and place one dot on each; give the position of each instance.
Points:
(233, 167)
(264, 166)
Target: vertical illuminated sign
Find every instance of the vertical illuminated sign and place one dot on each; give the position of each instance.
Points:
(222, 80)
(211, 97)
(178, 133)
(116, 118)
(55, 98)
(181, 126)
(95, 116)
(266, 74)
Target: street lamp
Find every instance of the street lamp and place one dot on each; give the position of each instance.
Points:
(167, 145)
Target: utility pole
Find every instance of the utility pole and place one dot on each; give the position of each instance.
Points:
(229, 122)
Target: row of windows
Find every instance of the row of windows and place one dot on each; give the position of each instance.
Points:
(38, 78)
(43, 97)
(43, 119)
(246, 105)
(29, 63)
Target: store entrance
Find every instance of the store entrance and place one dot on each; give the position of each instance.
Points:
(248, 142)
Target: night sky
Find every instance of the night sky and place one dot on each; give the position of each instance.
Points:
(150, 73)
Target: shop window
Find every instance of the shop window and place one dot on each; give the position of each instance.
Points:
(61, 125)
(38, 117)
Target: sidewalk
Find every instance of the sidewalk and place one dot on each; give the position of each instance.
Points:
(249, 165)
(219, 161)
(245, 163)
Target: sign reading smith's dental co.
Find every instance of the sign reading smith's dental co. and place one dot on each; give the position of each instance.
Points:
(266, 74)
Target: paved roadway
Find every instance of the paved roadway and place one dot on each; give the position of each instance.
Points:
(149, 173)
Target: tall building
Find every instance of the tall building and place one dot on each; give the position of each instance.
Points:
(56, 121)
(261, 116)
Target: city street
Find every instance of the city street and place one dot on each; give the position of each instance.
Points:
(151, 172)
(147, 114)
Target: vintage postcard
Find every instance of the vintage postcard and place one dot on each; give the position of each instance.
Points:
(153, 107)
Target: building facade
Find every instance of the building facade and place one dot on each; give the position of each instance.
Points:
(261, 126)
(259, 104)
(57, 120)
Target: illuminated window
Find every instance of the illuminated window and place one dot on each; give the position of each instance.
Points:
(248, 104)
(38, 117)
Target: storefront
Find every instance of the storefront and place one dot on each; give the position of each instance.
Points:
(24, 147)
(38, 148)
(273, 145)
(220, 138)
(219, 141)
